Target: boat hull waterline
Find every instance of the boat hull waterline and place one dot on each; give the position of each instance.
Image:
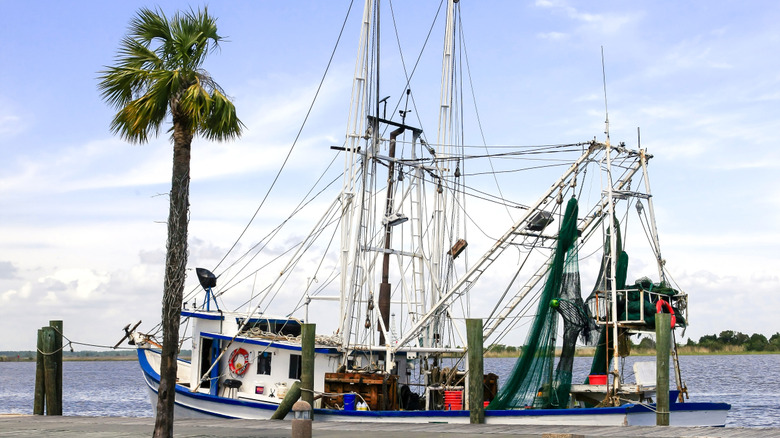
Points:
(190, 404)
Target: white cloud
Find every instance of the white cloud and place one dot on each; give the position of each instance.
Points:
(13, 119)
(83, 232)
(601, 23)
(9, 124)
(553, 36)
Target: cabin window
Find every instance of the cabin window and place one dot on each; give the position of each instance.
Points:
(295, 366)
(264, 363)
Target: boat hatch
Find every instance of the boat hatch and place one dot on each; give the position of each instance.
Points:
(287, 327)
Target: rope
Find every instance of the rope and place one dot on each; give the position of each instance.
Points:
(70, 343)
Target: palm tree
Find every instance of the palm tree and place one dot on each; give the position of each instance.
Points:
(157, 75)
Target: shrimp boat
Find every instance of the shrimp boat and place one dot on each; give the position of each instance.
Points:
(386, 273)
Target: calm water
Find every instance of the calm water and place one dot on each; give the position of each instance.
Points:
(99, 388)
(750, 383)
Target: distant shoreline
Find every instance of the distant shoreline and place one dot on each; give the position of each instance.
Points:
(30, 356)
(681, 350)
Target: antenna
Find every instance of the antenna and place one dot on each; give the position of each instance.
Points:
(606, 108)
(638, 139)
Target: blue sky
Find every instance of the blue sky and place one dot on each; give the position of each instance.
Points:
(82, 236)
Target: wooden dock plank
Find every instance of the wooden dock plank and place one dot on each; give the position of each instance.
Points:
(96, 427)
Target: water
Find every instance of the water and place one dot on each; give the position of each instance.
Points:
(91, 388)
(751, 383)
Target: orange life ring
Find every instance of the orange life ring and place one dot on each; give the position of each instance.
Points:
(239, 368)
(663, 303)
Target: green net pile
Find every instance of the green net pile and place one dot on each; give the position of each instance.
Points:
(536, 381)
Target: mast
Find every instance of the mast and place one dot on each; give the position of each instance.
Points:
(612, 279)
(442, 164)
(653, 227)
(353, 203)
(384, 286)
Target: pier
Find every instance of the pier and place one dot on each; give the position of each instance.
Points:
(93, 427)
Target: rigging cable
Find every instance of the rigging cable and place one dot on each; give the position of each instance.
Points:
(272, 234)
(417, 62)
(476, 111)
(295, 141)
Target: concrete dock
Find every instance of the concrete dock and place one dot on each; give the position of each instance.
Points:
(94, 427)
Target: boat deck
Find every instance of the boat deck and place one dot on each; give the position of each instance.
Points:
(79, 427)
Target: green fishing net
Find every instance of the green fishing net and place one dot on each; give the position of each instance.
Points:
(535, 380)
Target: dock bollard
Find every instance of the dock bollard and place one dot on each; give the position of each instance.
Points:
(301, 423)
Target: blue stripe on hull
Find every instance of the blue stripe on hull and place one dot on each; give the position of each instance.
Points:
(184, 392)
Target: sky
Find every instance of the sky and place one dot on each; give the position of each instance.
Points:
(82, 234)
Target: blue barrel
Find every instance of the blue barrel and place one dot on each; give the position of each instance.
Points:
(349, 402)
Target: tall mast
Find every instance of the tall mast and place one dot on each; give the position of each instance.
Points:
(612, 280)
(653, 228)
(353, 203)
(443, 153)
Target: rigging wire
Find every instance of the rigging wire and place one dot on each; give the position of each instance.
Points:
(274, 232)
(295, 141)
(476, 110)
(416, 63)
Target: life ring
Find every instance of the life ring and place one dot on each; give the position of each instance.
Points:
(241, 367)
(663, 303)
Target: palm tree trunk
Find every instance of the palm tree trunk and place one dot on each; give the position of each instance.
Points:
(175, 274)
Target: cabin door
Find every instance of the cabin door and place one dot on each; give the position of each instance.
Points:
(209, 352)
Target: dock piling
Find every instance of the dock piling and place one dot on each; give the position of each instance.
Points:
(48, 371)
(663, 322)
(308, 333)
(476, 371)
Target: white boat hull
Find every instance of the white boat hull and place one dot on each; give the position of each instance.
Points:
(190, 404)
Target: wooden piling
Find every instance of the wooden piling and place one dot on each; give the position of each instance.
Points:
(476, 371)
(50, 371)
(287, 402)
(307, 362)
(57, 357)
(663, 322)
(40, 388)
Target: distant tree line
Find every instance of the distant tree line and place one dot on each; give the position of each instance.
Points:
(501, 348)
(755, 342)
(6, 356)
(726, 340)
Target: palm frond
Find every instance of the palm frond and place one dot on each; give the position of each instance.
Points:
(158, 72)
(150, 25)
(221, 123)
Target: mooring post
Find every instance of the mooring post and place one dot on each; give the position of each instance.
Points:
(663, 323)
(301, 422)
(57, 357)
(40, 387)
(292, 396)
(53, 406)
(307, 363)
(476, 371)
